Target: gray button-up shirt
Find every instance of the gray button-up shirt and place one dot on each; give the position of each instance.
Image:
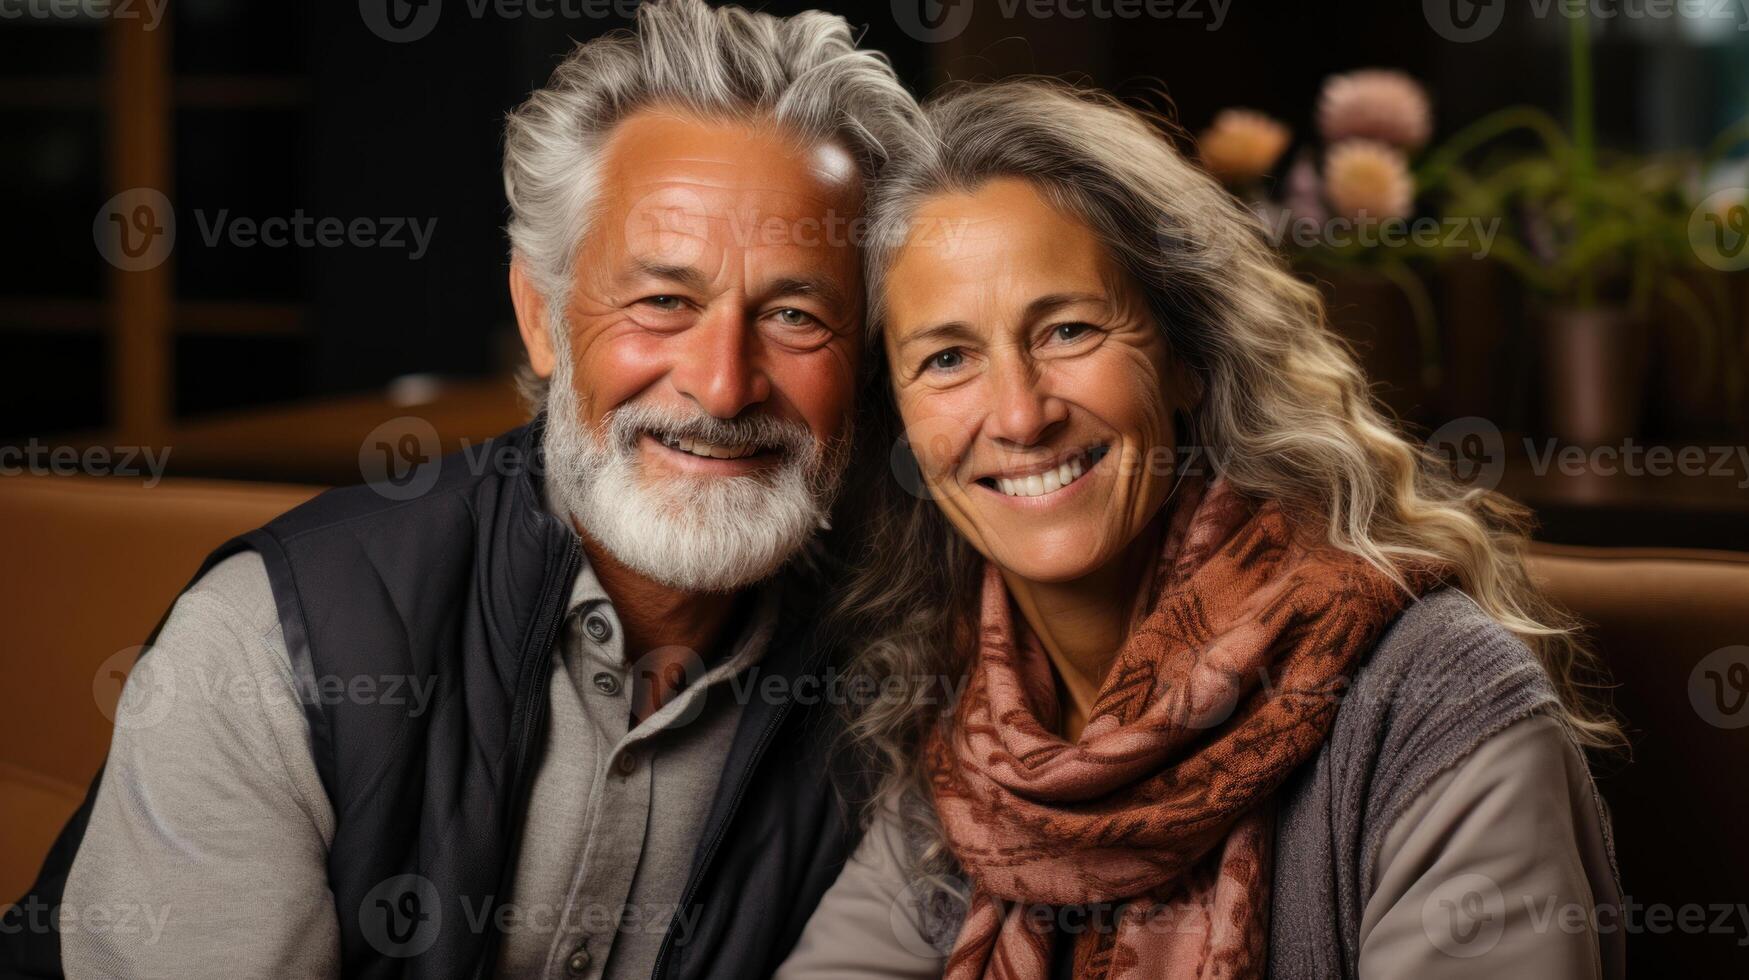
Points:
(211, 830)
(616, 811)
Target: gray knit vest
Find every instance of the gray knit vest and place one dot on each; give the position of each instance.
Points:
(1444, 678)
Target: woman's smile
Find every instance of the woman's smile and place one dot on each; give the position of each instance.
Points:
(1048, 482)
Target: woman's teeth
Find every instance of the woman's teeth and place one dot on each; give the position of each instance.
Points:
(711, 450)
(1040, 484)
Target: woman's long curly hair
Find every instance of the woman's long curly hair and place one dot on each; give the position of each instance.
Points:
(1285, 414)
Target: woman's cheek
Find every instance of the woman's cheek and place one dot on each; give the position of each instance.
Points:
(939, 426)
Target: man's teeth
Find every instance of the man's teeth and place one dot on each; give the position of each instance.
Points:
(698, 447)
(1040, 484)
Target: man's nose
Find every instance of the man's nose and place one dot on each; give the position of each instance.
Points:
(1023, 412)
(717, 364)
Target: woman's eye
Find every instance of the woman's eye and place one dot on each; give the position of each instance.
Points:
(945, 360)
(1068, 332)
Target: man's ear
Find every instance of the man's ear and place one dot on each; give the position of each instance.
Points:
(531, 320)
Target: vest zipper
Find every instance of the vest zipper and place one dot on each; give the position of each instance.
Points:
(553, 595)
(696, 879)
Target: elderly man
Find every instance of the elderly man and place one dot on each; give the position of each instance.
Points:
(537, 720)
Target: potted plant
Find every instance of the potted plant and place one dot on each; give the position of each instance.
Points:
(1598, 240)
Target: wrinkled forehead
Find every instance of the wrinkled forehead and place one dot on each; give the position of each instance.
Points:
(756, 168)
(989, 253)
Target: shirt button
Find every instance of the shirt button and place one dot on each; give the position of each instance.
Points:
(598, 628)
(626, 764)
(578, 964)
(606, 683)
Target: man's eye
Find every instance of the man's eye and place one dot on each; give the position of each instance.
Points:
(789, 316)
(663, 301)
(945, 360)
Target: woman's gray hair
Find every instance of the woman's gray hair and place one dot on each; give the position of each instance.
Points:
(805, 72)
(1285, 414)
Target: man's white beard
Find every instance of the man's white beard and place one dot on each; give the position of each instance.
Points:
(693, 533)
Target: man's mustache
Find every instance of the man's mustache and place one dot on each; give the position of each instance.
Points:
(627, 424)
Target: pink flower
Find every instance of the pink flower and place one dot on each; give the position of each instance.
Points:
(1368, 180)
(1375, 104)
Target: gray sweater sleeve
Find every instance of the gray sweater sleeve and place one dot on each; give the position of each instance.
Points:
(1515, 815)
(210, 832)
(867, 925)
(1494, 870)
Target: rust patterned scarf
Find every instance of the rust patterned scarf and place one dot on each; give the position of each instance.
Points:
(1147, 843)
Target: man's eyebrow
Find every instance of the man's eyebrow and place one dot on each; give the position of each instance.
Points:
(825, 290)
(680, 275)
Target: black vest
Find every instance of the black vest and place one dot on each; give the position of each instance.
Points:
(463, 586)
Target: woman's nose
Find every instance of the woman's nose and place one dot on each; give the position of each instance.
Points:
(1023, 412)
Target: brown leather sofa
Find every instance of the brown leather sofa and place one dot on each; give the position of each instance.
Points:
(91, 565)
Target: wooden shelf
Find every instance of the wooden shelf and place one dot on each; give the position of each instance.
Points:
(186, 92)
(221, 319)
(321, 441)
(62, 92)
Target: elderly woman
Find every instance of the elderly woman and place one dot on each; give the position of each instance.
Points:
(1245, 684)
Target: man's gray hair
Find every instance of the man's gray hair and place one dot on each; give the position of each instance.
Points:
(804, 72)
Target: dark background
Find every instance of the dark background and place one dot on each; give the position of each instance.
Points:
(272, 109)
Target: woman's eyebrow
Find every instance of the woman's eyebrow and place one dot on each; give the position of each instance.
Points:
(1052, 302)
(952, 330)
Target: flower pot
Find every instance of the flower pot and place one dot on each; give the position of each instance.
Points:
(1595, 381)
